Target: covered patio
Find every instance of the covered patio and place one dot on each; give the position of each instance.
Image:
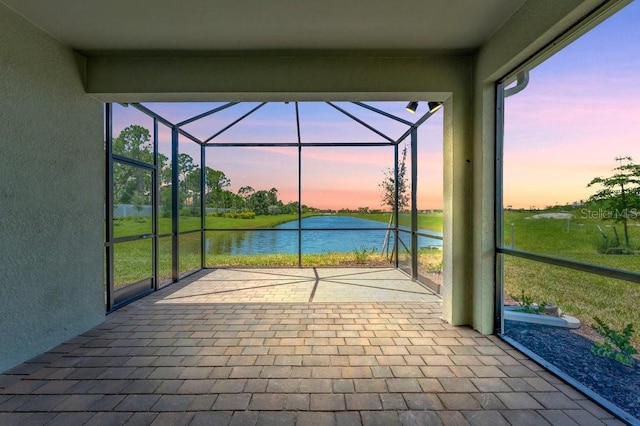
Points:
(317, 346)
(265, 346)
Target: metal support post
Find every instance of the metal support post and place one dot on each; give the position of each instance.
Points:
(108, 217)
(396, 203)
(155, 197)
(203, 209)
(414, 204)
(175, 183)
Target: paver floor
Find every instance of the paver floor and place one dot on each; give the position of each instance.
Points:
(302, 285)
(285, 347)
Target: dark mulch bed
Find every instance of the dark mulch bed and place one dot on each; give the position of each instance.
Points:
(571, 353)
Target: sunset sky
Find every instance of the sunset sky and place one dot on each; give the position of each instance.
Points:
(580, 110)
(332, 177)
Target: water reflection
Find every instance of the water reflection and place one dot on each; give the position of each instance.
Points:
(284, 238)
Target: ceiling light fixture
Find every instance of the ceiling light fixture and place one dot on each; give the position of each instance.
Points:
(412, 106)
(434, 106)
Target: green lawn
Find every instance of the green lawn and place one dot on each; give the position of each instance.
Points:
(580, 294)
(577, 239)
(142, 225)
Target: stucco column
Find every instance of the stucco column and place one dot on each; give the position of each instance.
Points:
(458, 206)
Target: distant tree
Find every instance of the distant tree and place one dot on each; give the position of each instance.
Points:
(133, 142)
(291, 207)
(245, 193)
(216, 184)
(164, 168)
(189, 184)
(388, 185)
(164, 185)
(620, 193)
(259, 202)
(272, 197)
(231, 200)
(185, 167)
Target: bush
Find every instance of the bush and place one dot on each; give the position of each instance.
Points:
(617, 344)
(193, 211)
(234, 215)
(247, 215)
(527, 304)
(435, 267)
(362, 254)
(272, 210)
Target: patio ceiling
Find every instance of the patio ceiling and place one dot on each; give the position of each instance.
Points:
(153, 25)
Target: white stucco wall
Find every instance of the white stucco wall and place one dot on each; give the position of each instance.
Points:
(51, 195)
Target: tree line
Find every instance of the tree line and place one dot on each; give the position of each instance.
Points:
(133, 185)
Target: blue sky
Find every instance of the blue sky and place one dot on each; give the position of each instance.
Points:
(580, 111)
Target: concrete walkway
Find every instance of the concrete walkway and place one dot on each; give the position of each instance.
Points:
(285, 347)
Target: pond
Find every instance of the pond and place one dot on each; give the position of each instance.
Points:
(320, 234)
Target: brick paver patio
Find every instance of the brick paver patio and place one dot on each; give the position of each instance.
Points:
(285, 347)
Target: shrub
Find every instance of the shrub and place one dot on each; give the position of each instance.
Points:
(247, 215)
(528, 305)
(362, 254)
(435, 267)
(190, 211)
(617, 344)
(273, 209)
